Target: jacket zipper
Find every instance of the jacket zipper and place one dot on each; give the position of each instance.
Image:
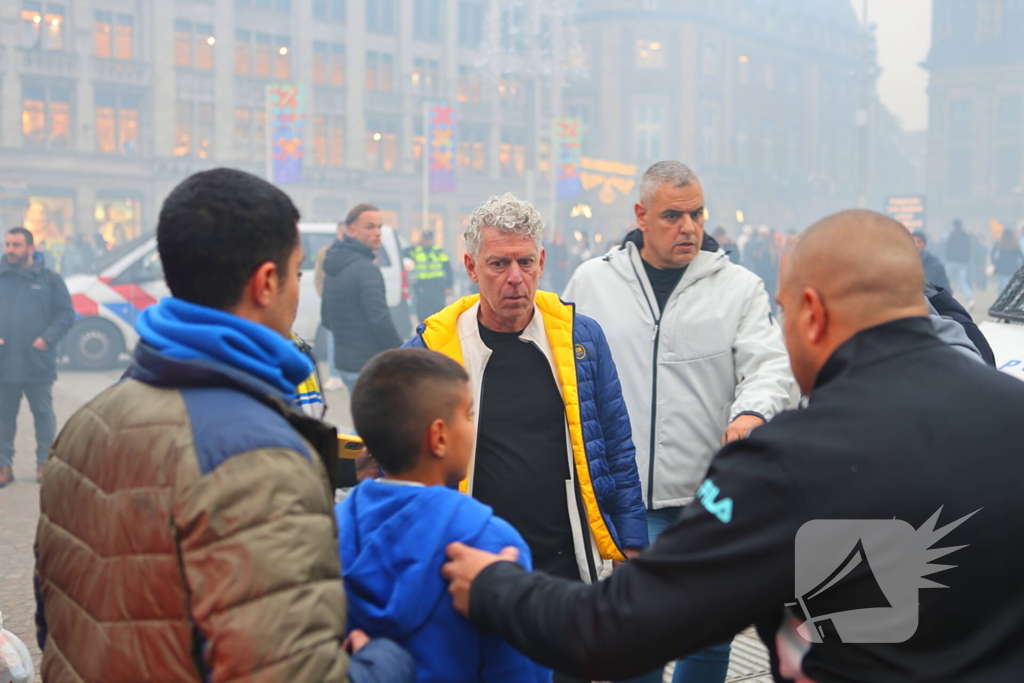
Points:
(654, 390)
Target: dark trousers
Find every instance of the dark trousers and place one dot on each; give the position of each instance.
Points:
(430, 298)
(40, 401)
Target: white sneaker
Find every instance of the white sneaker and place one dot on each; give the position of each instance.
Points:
(333, 384)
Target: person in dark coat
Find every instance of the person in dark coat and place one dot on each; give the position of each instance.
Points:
(903, 455)
(727, 245)
(35, 314)
(355, 306)
(934, 271)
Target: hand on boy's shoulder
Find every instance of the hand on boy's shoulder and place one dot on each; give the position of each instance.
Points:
(500, 535)
(464, 565)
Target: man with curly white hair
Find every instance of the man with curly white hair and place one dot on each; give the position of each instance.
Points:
(554, 453)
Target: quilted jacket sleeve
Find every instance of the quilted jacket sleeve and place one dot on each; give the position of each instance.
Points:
(627, 511)
(258, 547)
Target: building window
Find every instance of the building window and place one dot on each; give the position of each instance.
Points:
(328, 141)
(743, 69)
(1008, 170)
(470, 84)
(427, 20)
(117, 220)
(193, 129)
(512, 154)
(282, 6)
(381, 144)
(282, 58)
(328, 63)
(793, 151)
(425, 74)
(711, 59)
(513, 29)
(46, 116)
(768, 147)
(261, 55)
(380, 16)
(959, 176)
(124, 37)
(379, 71)
(251, 134)
(648, 131)
(742, 142)
(329, 9)
(473, 147)
(709, 136)
(42, 25)
(103, 35)
(650, 54)
(961, 116)
(510, 88)
(117, 123)
(193, 45)
(50, 218)
(1010, 113)
(471, 24)
(243, 52)
(769, 77)
(793, 79)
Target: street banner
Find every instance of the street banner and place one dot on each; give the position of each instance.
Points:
(442, 141)
(286, 114)
(910, 210)
(568, 156)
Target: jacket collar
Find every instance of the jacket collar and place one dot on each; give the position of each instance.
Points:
(877, 344)
(159, 370)
(355, 245)
(32, 271)
(440, 330)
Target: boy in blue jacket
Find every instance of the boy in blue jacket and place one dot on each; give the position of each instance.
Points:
(414, 410)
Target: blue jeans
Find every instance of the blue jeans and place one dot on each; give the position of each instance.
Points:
(333, 369)
(40, 401)
(710, 665)
(349, 380)
(960, 277)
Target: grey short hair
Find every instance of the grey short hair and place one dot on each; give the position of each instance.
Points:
(507, 213)
(665, 173)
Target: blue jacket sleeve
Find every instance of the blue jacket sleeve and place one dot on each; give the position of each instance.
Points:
(628, 512)
(500, 662)
(417, 341)
(382, 661)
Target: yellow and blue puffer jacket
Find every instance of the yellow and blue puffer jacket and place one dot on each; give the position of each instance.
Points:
(595, 412)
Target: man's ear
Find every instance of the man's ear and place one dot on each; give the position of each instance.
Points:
(641, 216)
(816, 315)
(470, 267)
(265, 284)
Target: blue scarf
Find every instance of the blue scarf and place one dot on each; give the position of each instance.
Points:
(186, 331)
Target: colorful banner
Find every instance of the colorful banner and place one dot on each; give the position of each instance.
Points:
(442, 141)
(910, 210)
(568, 155)
(609, 176)
(286, 114)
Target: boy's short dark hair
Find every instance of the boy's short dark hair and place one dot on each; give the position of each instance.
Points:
(29, 239)
(216, 228)
(398, 395)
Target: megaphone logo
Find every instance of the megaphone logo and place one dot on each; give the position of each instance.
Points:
(857, 579)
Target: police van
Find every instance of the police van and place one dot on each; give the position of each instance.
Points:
(127, 280)
(1005, 334)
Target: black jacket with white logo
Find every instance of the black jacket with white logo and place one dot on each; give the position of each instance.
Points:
(899, 426)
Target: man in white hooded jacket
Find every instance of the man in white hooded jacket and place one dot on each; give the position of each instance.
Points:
(700, 355)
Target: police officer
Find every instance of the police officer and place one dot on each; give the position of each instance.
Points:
(433, 275)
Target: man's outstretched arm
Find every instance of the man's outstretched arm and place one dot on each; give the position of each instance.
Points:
(703, 581)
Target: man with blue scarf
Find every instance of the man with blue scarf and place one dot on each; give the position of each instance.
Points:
(187, 529)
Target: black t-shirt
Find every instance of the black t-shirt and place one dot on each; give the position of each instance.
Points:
(522, 464)
(664, 282)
